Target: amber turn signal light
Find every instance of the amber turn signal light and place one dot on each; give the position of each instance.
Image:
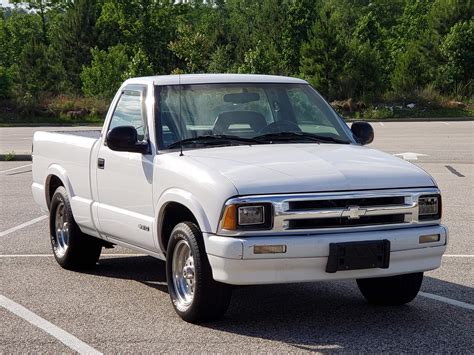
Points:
(229, 221)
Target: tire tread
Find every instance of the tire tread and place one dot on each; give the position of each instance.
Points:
(211, 298)
(83, 250)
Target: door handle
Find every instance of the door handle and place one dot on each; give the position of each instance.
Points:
(101, 163)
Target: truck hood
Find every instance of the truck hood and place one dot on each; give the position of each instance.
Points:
(293, 168)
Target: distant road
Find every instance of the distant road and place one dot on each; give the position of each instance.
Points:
(18, 139)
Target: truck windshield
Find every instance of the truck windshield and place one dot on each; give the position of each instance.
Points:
(244, 113)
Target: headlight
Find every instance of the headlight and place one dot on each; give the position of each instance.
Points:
(247, 217)
(429, 207)
(250, 215)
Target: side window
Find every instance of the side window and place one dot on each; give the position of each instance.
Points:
(128, 112)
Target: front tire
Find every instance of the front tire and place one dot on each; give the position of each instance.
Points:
(391, 291)
(72, 249)
(195, 295)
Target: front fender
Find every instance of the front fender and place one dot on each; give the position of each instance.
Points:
(188, 200)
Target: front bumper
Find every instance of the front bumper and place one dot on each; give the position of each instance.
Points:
(233, 261)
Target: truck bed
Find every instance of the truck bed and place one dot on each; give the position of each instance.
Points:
(89, 133)
(67, 155)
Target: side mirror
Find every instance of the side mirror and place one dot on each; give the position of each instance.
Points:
(363, 132)
(125, 139)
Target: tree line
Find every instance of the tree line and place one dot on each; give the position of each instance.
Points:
(361, 49)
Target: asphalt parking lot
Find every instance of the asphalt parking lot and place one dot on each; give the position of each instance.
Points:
(123, 305)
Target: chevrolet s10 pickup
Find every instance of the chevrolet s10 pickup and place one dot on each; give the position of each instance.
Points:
(238, 180)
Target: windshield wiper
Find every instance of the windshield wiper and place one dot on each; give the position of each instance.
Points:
(213, 140)
(299, 136)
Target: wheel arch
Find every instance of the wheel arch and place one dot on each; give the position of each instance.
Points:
(56, 176)
(175, 206)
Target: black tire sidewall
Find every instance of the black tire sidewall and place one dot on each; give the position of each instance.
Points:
(211, 298)
(60, 195)
(392, 290)
(183, 232)
(83, 250)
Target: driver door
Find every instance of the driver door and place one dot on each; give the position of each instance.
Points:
(124, 179)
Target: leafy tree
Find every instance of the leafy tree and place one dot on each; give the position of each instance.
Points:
(5, 83)
(139, 65)
(38, 74)
(75, 37)
(410, 71)
(362, 73)
(258, 60)
(105, 74)
(40, 7)
(386, 12)
(5, 42)
(444, 14)
(368, 29)
(192, 48)
(19, 30)
(322, 57)
(300, 18)
(346, 48)
(149, 25)
(413, 25)
(458, 51)
(221, 60)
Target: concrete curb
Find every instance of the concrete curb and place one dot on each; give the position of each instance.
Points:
(16, 157)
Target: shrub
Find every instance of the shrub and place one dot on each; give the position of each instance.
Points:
(410, 71)
(430, 97)
(458, 51)
(71, 108)
(104, 75)
(10, 156)
(5, 83)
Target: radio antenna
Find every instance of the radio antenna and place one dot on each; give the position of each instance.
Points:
(180, 118)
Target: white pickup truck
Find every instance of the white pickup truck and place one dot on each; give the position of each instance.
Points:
(238, 180)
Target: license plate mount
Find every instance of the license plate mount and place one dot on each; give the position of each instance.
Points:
(359, 255)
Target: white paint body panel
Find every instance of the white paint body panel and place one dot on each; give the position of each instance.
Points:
(134, 190)
(295, 168)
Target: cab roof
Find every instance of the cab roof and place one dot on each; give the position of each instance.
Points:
(213, 79)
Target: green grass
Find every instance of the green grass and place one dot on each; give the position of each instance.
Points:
(9, 156)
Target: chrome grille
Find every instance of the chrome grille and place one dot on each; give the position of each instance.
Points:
(345, 222)
(344, 203)
(340, 211)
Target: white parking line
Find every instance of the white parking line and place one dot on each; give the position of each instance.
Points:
(23, 225)
(410, 155)
(18, 167)
(448, 300)
(64, 337)
(445, 123)
(381, 123)
(458, 256)
(26, 255)
(51, 255)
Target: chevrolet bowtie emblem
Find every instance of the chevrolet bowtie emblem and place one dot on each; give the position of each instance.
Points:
(354, 212)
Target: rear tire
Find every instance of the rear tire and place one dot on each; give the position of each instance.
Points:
(391, 291)
(195, 295)
(72, 249)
